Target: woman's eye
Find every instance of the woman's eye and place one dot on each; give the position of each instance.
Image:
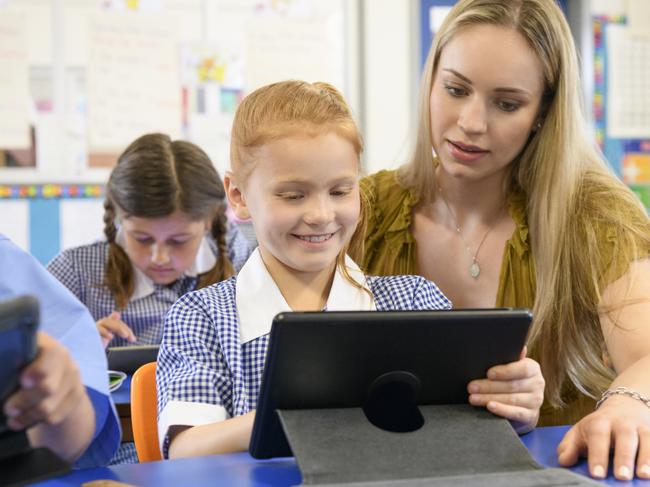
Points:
(507, 106)
(455, 91)
(144, 241)
(177, 243)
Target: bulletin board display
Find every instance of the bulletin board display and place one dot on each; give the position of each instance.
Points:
(81, 79)
(621, 103)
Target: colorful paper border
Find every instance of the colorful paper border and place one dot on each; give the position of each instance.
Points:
(48, 191)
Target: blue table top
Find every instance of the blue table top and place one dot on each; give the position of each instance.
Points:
(240, 469)
(123, 394)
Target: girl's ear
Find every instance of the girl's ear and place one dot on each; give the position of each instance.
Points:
(235, 197)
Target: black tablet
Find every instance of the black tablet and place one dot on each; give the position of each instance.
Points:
(18, 325)
(129, 359)
(319, 360)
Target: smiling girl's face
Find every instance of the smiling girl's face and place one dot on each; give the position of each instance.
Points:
(302, 196)
(485, 101)
(163, 248)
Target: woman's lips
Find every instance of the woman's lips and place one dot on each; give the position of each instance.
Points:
(465, 153)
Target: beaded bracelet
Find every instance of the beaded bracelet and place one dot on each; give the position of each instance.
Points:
(623, 391)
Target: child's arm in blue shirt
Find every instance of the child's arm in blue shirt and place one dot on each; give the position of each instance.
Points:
(71, 363)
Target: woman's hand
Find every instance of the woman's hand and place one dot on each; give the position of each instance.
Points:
(514, 391)
(112, 325)
(621, 423)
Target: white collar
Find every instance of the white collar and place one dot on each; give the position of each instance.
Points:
(259, 299)
(144, 286)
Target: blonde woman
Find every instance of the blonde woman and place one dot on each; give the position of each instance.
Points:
(515, 207)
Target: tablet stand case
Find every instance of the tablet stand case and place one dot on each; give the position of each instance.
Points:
(457, 445)
(20, 464)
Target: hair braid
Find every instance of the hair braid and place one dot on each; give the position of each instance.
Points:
(223, 269)
(118, 270)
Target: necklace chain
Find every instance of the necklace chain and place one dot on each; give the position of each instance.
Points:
(474, 268)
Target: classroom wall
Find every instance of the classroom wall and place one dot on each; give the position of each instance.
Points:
(44, 219)
(377, 75)
(390, 78)
(372, 50)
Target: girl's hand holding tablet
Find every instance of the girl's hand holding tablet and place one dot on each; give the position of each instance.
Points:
(514, 391)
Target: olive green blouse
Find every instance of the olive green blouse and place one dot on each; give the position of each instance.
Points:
(390, 250)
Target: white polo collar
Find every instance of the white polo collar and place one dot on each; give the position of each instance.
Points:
(144, 286)
(259, 299)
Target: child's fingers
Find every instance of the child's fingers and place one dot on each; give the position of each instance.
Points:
(123, 330)
(16, 406)
(104, 332)
(46, 371)
(524, 352)
(43, 379)
(515, 370)
(50, 409)
(513, 413)
(486, 386)
(106, 341)
(523, 400)
(116, 327)
(533, 384)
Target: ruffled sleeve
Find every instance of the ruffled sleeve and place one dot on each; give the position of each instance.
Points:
(517, 278)
(389, 245)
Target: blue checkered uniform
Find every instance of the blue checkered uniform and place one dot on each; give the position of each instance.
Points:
(202, 359)
(81, 270)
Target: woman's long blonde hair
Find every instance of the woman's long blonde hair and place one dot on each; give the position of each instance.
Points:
(571, 196)
(289, 108)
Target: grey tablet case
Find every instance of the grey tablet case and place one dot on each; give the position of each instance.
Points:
(343, 391)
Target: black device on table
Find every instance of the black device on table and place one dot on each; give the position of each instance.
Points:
(128, 359)
(382, 361)
(19, 462)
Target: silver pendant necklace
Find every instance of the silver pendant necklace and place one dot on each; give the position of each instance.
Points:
(474, 267)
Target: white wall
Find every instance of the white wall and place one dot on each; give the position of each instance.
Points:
(389, 80)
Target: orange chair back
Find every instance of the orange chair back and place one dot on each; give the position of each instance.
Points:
(144, 413)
